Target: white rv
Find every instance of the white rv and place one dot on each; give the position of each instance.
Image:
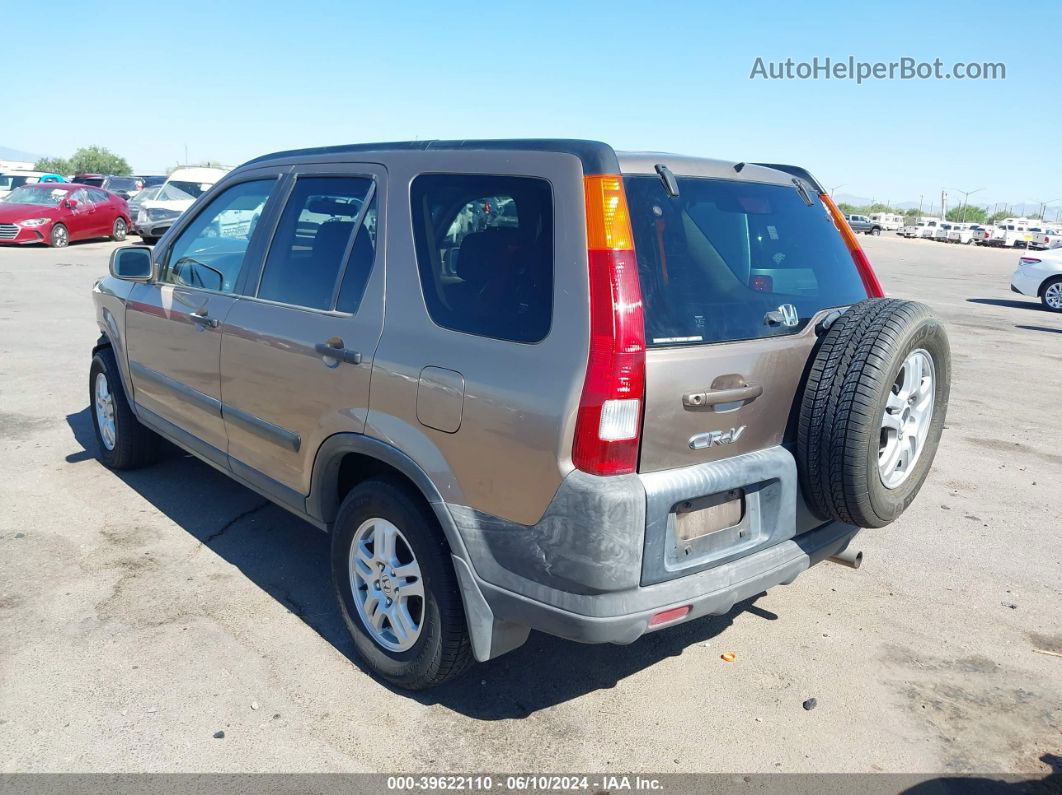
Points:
(888, 221)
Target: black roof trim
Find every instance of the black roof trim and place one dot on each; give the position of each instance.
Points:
(796, 171)
(596, 157)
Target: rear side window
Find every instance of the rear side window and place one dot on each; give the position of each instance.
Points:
(314, 240)
(721, 260)
(485, 253)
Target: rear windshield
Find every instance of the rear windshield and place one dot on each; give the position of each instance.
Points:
(730, 260)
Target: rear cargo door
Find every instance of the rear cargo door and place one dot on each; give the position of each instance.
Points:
(734, 274)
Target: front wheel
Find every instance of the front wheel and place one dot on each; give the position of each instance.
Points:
(119, 230)
(123, 442)
(875, 231)
(60, 237)
(1051, 295)
(148, 240)
(394, 578)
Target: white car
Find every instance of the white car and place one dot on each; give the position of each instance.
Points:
(962, 233)
(177, 194)
(1046, 238)
(982, 234)
(1040, 277)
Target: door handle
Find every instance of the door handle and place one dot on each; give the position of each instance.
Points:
(716, 396)
(200, 317)
(333, 349)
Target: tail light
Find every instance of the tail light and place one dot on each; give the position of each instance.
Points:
(608, 426)
(859, 257)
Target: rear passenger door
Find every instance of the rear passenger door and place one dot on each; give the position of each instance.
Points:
(297, 349)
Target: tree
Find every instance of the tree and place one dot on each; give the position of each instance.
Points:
(98, 160)
(971, 213)
(53, 165)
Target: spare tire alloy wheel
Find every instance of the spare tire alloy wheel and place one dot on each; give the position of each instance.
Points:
(873, 410)
(386, 582)
(905, 424)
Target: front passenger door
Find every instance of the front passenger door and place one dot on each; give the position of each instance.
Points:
(174, 325)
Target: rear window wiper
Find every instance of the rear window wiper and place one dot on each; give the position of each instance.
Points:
(670, 183)
(803, 192)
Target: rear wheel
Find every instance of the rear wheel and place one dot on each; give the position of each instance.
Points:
(123, 442)
(1051, 294)
(119, 230)
(873, 411)
(60, 237)
(397, 589)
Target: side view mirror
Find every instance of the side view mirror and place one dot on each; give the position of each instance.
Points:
(132, 264)
(71, 203)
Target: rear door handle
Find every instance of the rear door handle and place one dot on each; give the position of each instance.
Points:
(333, 349)
(716, 396)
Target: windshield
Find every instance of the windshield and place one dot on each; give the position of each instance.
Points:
(40, 195)
(120, 183)
(182, 191)
(10, 182)
(720, 260)
(96, 182)
(146, 195)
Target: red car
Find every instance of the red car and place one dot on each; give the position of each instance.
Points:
(56, 213)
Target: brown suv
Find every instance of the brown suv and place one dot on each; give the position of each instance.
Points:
(527, 384)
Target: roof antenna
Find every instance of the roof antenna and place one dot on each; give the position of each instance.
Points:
(739, 166)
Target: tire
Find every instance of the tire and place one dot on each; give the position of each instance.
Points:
(119, 230)
(132, 445)
(147, 240)
(860, 369)
(1051, 294)
(875, 231)
(60, 237)
(441, 651)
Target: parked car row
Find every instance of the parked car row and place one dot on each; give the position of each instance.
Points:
(1007, 233)
(36, 207)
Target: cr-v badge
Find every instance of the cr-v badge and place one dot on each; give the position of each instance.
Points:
(702, 440)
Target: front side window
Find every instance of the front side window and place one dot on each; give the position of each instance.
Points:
(313, 241)
(485, 253)
(209, 252)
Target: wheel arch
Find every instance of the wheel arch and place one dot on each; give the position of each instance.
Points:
(1054, 277)
(345, 459)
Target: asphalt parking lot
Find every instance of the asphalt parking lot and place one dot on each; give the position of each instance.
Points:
(142, 613)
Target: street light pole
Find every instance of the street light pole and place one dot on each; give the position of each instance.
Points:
(966, 194)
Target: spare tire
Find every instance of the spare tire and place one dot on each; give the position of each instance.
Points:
(872, 411)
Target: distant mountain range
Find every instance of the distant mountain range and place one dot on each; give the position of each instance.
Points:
(7, 153)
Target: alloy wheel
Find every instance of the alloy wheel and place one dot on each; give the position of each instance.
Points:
(908, 415)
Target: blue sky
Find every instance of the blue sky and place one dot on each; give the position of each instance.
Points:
(234, 80)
